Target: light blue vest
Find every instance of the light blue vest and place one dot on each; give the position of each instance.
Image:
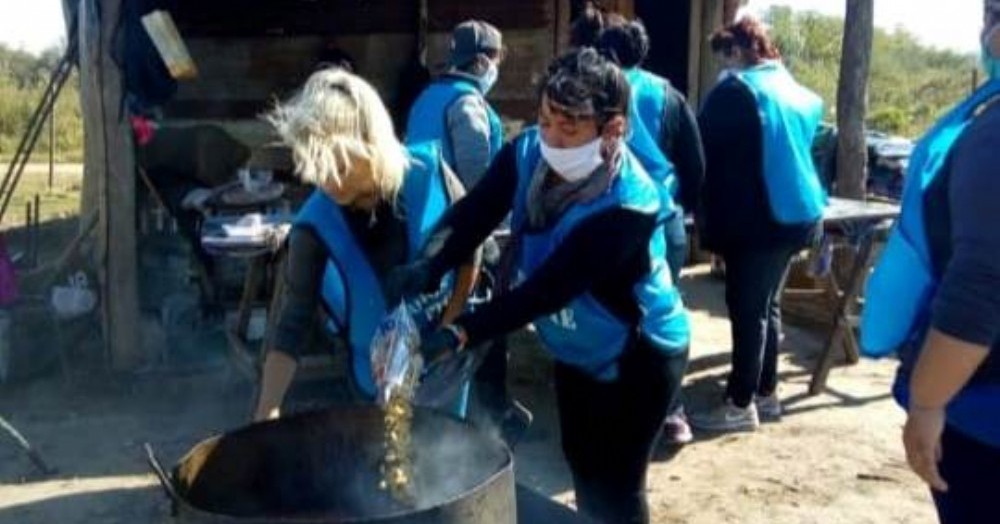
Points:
(429, 115)
(584, 334)
(790, 115)
(351, 290)
(900, 291)
(643, 139)
(649, 91)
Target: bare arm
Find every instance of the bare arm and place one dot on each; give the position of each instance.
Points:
(946, 364)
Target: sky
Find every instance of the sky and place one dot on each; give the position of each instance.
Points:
(948, 24)
(34, 25)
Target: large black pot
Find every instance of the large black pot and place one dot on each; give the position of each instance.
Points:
(322, 467)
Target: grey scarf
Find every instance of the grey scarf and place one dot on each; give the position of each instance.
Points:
(546, 202)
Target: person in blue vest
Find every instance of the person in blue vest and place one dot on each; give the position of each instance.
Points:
(934, 299)
(668, 120)
(374, 204)
(762, 203)
(453, 109)
(592, 278)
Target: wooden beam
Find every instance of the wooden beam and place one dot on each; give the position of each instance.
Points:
(563, 11)
(711, 17)
(696, 35)
(729, 9)
(109, 182)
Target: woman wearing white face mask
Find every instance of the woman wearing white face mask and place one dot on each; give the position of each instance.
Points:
(591, 277)
(453, 109)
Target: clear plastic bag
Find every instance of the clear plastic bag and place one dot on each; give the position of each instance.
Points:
(395, 356)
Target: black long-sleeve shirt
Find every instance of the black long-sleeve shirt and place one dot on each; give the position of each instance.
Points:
(962, 216)
(736, 213)
(681, 143)
(384, 239)
(606, 254)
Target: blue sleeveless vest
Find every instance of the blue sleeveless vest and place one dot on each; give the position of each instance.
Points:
(790, 115)
(649, 92)
(428, 116)
(901, 289)
(584, 334)
(351, 291)
(643, 140)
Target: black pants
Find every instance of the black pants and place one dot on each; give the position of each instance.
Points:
(753, 282)
(609, 429)
(972, 471)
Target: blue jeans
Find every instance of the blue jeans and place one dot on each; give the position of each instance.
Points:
(972, 471)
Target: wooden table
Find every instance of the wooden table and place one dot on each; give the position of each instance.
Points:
(861, 225)
(265, 256)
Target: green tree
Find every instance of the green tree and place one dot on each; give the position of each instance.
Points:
(23, 78)
(910, 85)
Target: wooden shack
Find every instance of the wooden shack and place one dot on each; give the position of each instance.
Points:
(250, 51)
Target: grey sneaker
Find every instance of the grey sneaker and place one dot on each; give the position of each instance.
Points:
(769, 407)
(727, 417)
(676, 430)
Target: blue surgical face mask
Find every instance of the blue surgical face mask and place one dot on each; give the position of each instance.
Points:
(991, 62)
(489, 78)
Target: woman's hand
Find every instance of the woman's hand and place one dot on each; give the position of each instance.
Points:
(922, 440)
(442, 343)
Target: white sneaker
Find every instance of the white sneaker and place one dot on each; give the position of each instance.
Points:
(769, 407)
(727, 417)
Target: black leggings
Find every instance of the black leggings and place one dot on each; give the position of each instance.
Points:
(972, 470)
(753, 295)
(609, 429)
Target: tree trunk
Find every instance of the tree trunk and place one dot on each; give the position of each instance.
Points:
(852, 96)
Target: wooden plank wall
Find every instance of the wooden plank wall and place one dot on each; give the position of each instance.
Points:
(243, 67)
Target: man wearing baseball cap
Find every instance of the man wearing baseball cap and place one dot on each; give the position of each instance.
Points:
(454, 110)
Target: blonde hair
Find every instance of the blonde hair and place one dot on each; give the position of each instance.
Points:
(337, 126)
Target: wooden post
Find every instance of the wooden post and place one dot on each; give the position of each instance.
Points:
(35, 230)
(852, 94)
(729, 9)
(52, 144)
(696, 35)
(109, 182)
(564, 11)
(709, 15)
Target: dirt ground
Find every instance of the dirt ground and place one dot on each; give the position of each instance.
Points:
(834, 458)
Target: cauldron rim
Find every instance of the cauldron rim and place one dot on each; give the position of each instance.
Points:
(485, 483)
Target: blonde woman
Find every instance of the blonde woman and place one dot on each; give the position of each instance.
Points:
(374, 203)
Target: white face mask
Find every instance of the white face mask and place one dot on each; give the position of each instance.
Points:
(489, 78)
(573, 164)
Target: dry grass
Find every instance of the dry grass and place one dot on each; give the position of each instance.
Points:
(61, 201)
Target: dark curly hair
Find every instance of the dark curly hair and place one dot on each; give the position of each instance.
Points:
(586, 29)
(749, 35)
(586, 84)
(626, 43)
